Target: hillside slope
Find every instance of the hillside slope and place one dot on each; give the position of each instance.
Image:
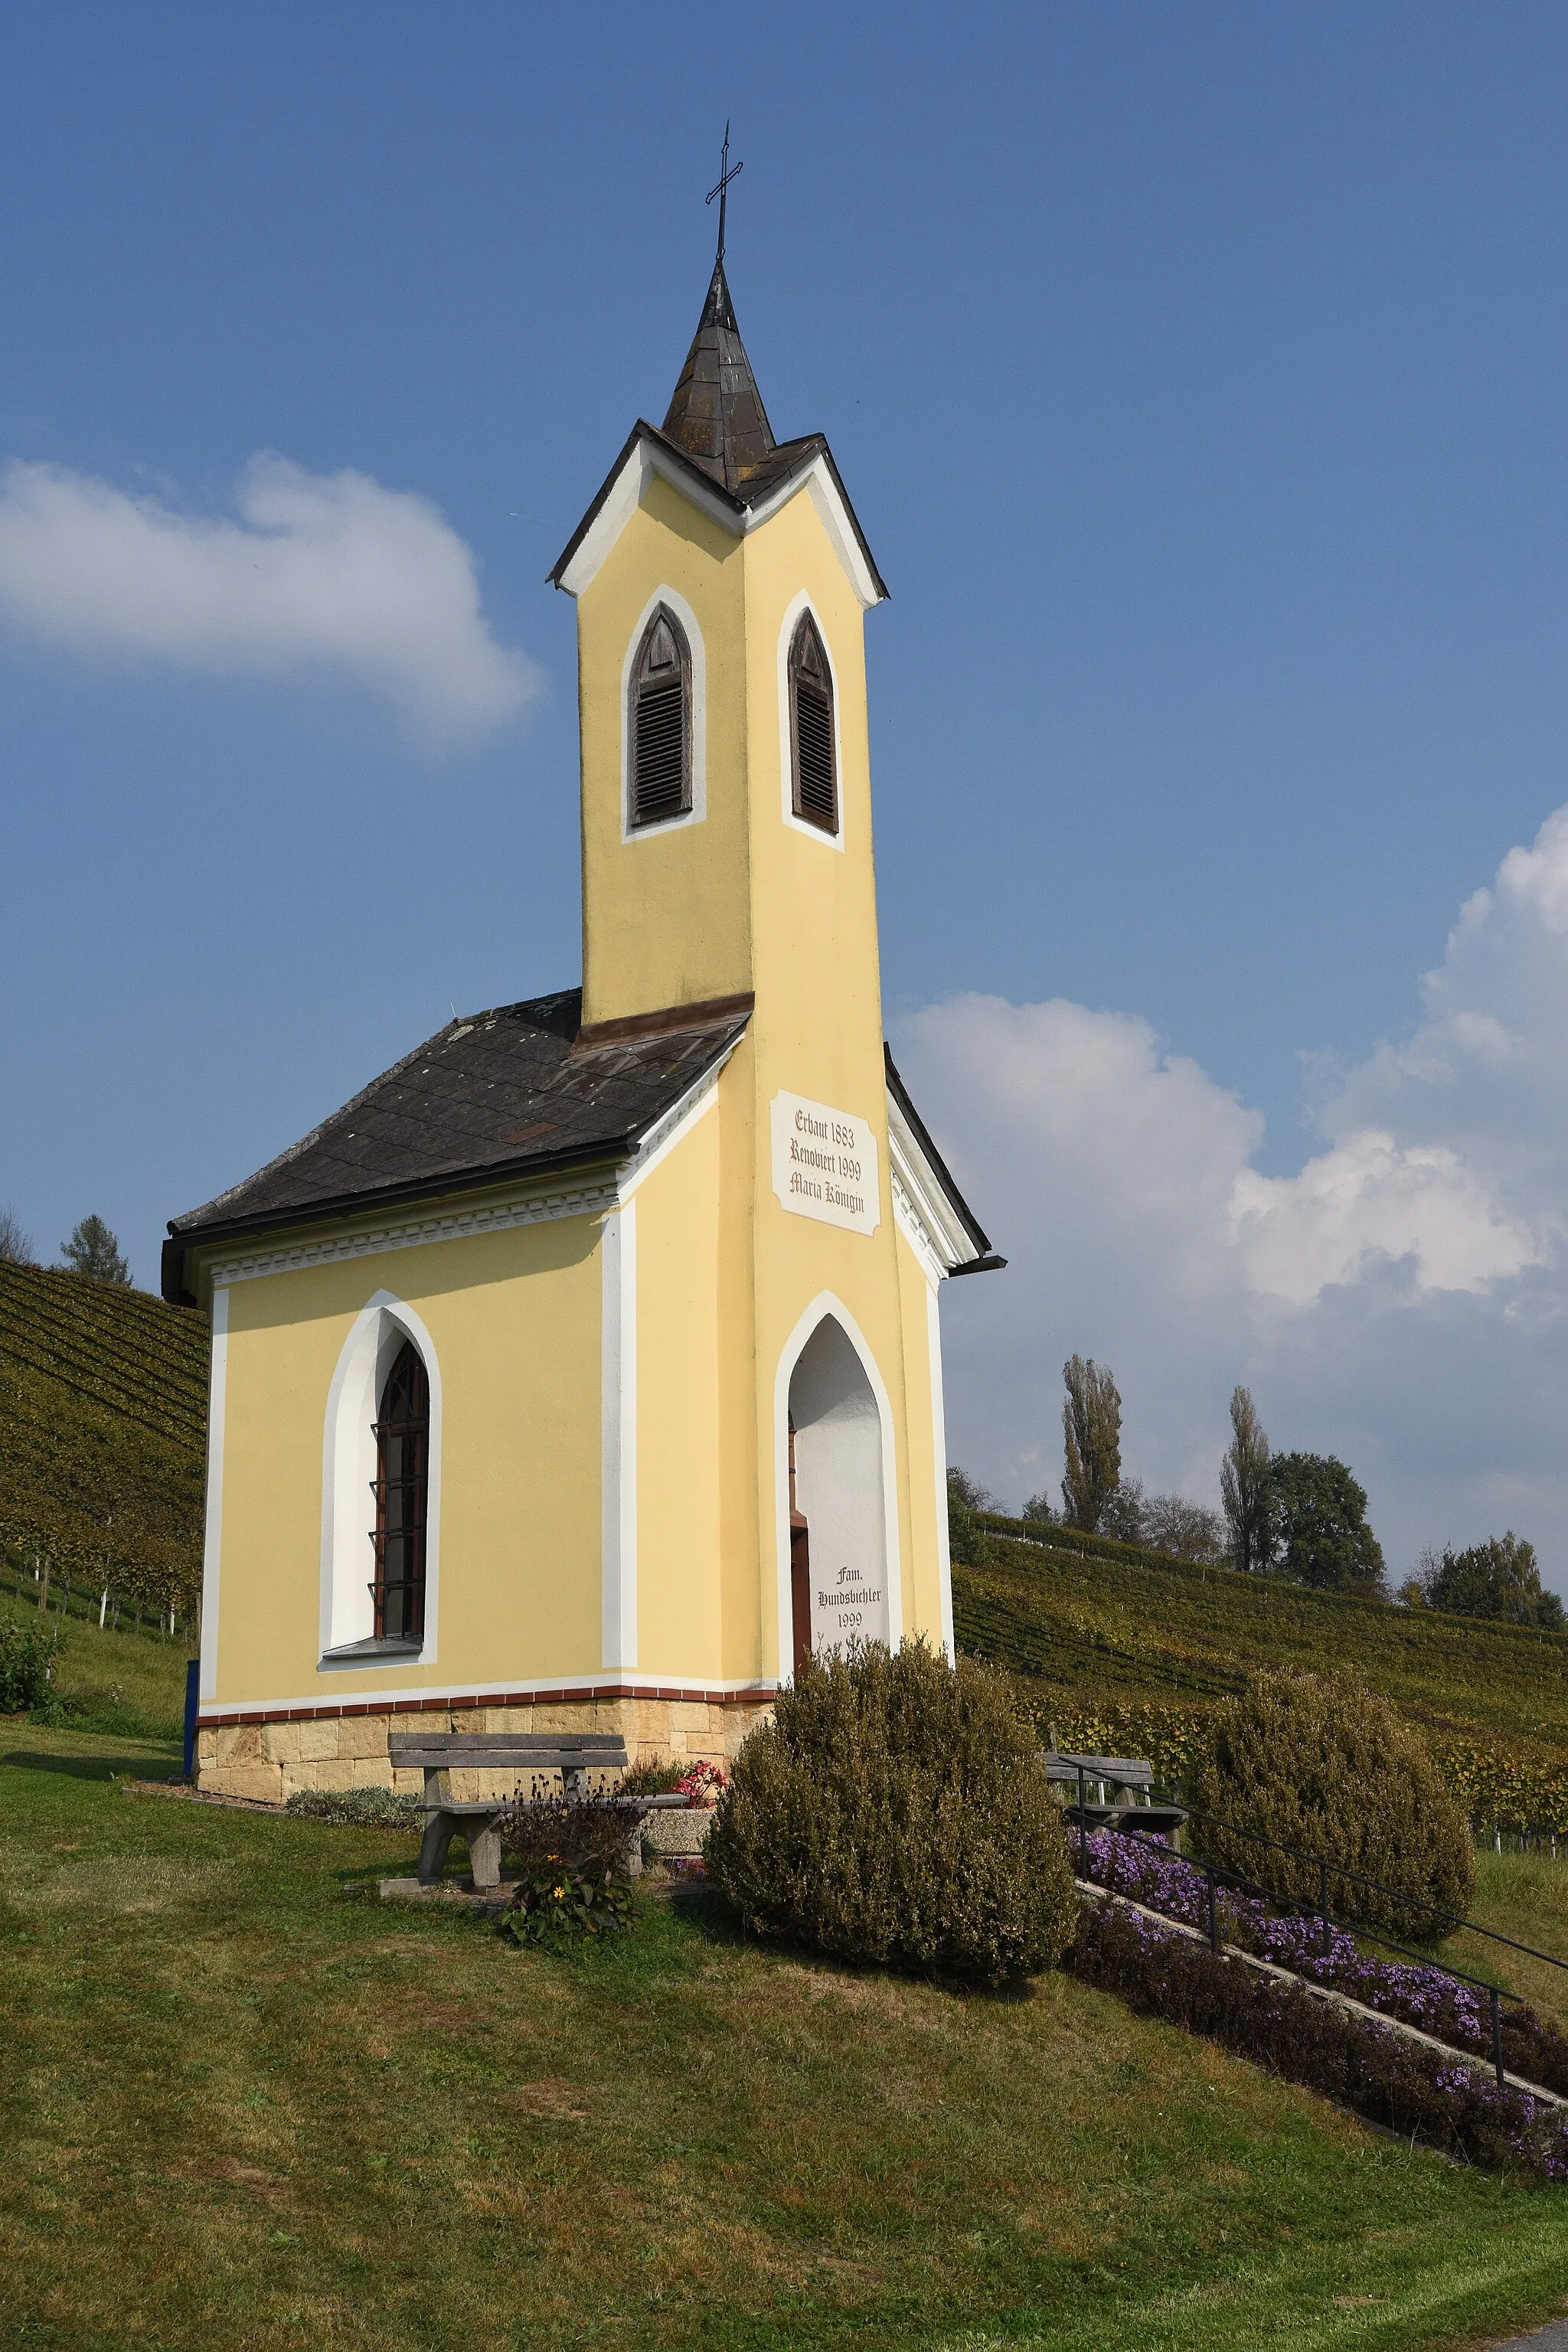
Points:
(1127, 1650)
(103, 1432)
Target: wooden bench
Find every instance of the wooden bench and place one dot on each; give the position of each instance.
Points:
(481, 1821)
(1124, 1786)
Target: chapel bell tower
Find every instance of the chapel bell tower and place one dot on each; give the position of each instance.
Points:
(721, 580)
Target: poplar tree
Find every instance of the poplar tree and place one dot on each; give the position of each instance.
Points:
(1244, 1487)
(1091, 1426)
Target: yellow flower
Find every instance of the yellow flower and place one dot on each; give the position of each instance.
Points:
(558, 1891)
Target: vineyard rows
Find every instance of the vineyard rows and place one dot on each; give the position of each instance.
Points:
(146, 1361)
(1128, 1652)
(102, 1407)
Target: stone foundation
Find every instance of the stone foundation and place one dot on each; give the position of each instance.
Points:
(271, 1760)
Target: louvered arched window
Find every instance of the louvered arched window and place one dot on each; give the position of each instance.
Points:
(660, 720)
(815, 791)
(402, 1488)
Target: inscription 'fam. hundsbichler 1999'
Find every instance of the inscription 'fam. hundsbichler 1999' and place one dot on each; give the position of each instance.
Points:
(584, 1371)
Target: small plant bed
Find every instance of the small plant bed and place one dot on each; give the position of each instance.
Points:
(573, 1870)
(1403, 2086)
(1427, 1997)
(361, 1809)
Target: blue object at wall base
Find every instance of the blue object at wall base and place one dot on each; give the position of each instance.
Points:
(193, 1693)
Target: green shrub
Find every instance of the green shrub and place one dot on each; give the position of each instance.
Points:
(894, 1810)
(26, 1666)
(560, 1902)
(361, 1809)
(1327, 1767)
(656, 1779)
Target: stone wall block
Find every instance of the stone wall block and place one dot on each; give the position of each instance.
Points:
(237, 1744)
(364, 1735)
(302, 1743)
(257, 1780)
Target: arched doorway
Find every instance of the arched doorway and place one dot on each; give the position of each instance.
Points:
(838, 1537)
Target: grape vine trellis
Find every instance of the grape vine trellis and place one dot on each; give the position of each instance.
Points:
(1129, 1652)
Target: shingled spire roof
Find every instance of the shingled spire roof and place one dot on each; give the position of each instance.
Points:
(716, 416)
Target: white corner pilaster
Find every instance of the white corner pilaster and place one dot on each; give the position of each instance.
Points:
(938, 1447)
(618, 1454)
(212, 1549)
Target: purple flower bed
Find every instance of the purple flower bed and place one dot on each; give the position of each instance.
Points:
(1352, 2059)
(1424, 1997)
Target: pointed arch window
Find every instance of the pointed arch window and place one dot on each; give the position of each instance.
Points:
(814, 789)
(661, 722)
(401, 1486)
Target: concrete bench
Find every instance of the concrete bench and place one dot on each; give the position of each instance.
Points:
(481, 1821)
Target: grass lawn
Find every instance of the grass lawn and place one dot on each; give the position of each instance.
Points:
(244, 2106)
(1524, 1895)
(126, 1681)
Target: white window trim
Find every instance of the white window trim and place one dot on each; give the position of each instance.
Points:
(353, 1400)
(793, 611)
(827, 1302)
(698, 809)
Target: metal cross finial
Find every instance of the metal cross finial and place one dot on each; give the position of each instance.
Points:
(722, 192)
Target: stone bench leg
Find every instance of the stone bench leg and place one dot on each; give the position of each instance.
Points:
(484, 1852)
(439, 1830)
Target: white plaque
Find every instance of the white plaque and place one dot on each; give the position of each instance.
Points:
(847, 1604)
(825, 1164)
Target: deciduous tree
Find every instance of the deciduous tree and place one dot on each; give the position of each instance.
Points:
(94, 1250)
(1320, 1512)
(15, 1246)
(1499, 1578)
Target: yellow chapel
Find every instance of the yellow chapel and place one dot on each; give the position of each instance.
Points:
(584, 1371)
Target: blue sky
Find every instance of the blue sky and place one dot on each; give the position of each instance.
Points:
(1199, 378)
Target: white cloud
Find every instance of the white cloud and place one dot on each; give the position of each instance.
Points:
(1402, 1300)
(325, 572)
(1366, 1200)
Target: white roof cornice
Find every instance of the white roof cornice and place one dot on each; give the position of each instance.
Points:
(647, 458)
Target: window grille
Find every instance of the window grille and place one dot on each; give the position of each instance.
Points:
(661, 722)
(401, 1486)
(816, 787)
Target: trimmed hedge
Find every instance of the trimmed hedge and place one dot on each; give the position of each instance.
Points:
(1322, 1764)
(894, 1810)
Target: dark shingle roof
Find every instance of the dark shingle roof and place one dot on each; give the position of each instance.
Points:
(496, 1094)
(717, 428)
(716, 415)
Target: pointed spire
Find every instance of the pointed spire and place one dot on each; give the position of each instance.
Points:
(717, 415)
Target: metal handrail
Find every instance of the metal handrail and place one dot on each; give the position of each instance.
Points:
(1323, 1864)
(1214, 1878)
(1496, 1994)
